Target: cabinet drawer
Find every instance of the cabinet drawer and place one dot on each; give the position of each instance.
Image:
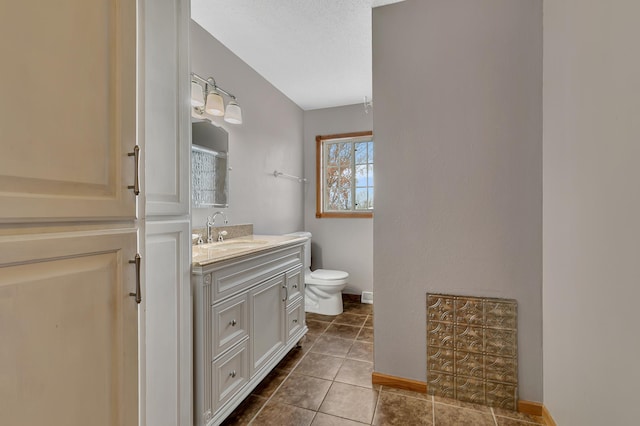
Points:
(230, 373)
(295, 284)
(295, 317)
(236, 275)
(229, 323)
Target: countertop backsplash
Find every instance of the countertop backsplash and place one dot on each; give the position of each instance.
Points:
(233, 231)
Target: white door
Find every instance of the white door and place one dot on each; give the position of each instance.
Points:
(68, 355)
(67, 110)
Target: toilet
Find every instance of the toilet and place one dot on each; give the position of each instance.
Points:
(323, 287)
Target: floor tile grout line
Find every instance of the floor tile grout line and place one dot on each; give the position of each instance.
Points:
(337, 337)
(361, 327)
(405, 395)
(462, 407)
(433, 410)
(375, 409)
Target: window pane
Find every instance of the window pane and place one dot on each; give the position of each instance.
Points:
(361, 199)
(370, 175)
(345, 176)
(332, 176)
(340, 199)
(361, 152)
(361, 175)
(332, 154)
(335, 199)
(347, 200)
(370, 198)
(339, 193)
(370, 151)
(345, 154)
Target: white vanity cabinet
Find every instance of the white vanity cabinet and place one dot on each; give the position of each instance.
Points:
(249, 313)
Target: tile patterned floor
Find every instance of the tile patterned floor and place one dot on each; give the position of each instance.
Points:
(327, 382)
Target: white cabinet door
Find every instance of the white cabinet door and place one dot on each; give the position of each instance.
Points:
(67, 110)
(167, 124)
(168, 323)
(266, 303)
(68, 327)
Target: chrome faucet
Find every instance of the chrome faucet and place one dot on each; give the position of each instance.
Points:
(211, 221)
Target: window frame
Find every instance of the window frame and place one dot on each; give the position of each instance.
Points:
(320, 166)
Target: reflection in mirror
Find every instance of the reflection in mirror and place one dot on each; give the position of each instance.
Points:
(209, 159)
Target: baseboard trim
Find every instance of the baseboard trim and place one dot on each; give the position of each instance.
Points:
(527, 407)
(530, 407)
(546, 416)
(398, 382)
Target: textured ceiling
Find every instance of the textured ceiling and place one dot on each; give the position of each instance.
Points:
(316, 52)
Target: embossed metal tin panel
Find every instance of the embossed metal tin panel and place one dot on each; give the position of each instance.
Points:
(472, 349)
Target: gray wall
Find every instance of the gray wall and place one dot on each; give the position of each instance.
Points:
(270, 138)
(591, 211)
(458, 123)
(343, 244)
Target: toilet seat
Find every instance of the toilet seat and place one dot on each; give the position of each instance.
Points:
(326, 278)
(329, 274)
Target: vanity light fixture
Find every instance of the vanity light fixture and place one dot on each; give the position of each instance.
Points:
(214, 105)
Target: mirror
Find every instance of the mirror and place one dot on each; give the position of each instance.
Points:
(209, 165)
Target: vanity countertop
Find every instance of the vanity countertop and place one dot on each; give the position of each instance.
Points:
(206, 254)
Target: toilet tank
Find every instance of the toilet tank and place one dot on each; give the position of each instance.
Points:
(307, 247)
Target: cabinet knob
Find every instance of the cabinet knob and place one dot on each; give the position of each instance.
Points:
(295, 321)
(232, 374)
(295, 286)
(232, 323)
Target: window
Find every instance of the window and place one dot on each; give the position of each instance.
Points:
(344, 175)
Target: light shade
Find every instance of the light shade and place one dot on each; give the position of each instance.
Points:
(197, 95)
(233, 114)
(215, 104)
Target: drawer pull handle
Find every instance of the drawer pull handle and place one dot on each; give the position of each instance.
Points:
(232, 323)
(295, 321)
(136, 181)
(232, 374)
(138, 293)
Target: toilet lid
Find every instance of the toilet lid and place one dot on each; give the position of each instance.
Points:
(328, 274)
